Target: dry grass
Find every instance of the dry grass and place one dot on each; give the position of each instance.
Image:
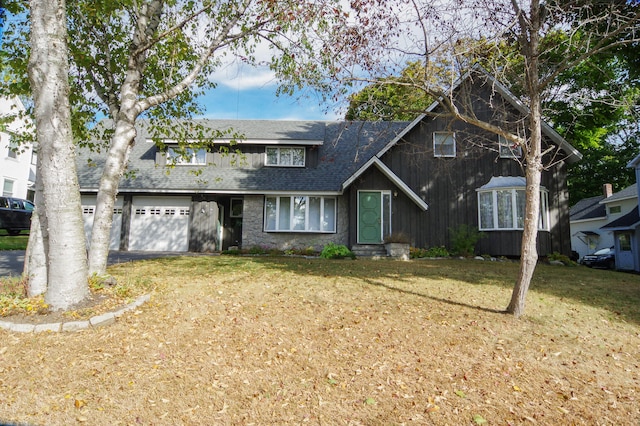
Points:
(271, 341)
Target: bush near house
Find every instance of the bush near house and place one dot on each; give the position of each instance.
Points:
(336, 251)
(464, 239)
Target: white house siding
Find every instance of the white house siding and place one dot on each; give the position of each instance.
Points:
(606, 238)
(88, 212)
(18, 171)
(626, 206)
(160, 224)
(583, 245)
(253, 234)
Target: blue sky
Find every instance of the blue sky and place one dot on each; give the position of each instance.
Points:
(227, 102)
(245, 92)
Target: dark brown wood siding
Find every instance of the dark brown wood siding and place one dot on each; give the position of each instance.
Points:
(449, 185)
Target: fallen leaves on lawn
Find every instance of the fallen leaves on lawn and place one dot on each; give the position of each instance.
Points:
(290, 341)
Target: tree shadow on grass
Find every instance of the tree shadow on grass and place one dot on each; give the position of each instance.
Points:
(617, 292)
(434, 298)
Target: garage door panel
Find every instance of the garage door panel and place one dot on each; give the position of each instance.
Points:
(160, 227)
(88, 212)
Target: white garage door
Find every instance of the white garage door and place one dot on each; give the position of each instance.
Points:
(160, 224)
(88, 211)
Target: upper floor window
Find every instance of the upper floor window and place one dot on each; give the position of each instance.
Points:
(187, 156)
(509, 149)
(285, 156)
(615, 209)
(12, 151)
(444, 144)
(300, 214)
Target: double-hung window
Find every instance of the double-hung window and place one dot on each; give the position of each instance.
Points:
(187, 156)
(444, 144)
(300, 214)
(7, 188)
(285, 156)
(509, 149)
(503, 208)
(12, 150)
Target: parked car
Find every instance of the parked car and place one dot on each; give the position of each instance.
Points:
(15, 214)
(603, 258)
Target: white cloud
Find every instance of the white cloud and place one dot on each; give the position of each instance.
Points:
(244, 77)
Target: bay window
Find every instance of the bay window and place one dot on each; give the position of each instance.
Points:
(503, 208)
(300, 214)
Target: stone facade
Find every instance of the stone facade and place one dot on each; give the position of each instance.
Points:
(253, 229)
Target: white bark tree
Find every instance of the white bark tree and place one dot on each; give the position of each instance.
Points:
(59, 211)
(170, 49)
(385, 35)
(153, 58)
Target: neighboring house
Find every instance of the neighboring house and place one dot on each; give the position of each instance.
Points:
(17, 163)
(626, 229)
(304, 184)
(590, 218)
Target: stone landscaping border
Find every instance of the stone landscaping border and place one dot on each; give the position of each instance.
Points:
(93, 322)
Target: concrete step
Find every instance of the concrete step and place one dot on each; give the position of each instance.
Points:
(369, 250)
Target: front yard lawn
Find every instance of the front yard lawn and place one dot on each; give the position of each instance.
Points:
(289, 341)
(17, 242)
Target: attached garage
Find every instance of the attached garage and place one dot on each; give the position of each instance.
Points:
(88, 212)
(160, 224)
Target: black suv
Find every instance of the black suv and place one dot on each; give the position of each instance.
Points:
(15, 214)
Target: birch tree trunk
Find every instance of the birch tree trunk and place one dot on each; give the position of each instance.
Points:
(65, 246)
(123, 138)
(35, 259)
(530, 38)
(108, 190)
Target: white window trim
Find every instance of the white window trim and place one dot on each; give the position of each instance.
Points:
(617, 208)
(306, 218)
(278, 150)
(543, 220)
(508, 149)
(181, 160)
(435, 148)
(8, 192)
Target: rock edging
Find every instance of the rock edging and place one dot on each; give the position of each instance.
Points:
(93, 322)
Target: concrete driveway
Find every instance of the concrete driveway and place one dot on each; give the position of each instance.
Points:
(12, 261)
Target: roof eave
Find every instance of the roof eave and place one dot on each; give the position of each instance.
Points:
(391, 176)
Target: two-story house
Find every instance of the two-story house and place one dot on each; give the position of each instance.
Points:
(590, 218)
(17, 162)
(295, 184)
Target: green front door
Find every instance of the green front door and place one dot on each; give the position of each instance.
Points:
(369, 217)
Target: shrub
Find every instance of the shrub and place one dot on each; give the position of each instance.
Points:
(257, 250)
(234, 252)
(437, 251)
(336, 251)
(562, 258)
(464, 239)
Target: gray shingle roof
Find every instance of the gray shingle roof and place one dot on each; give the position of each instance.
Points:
(626, 222)
(588, 208)
(629, 192)
(346, 146)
